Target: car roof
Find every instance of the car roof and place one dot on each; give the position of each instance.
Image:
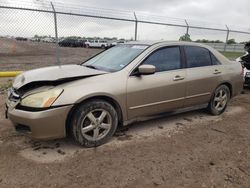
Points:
(151, 43)
(221, 57)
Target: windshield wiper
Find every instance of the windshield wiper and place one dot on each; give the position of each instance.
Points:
(90, 66)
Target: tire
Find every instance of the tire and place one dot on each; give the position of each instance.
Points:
(219, 100)
(103, 47)
(94, 123)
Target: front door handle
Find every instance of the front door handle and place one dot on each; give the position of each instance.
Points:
(217, 71)
(177, 78)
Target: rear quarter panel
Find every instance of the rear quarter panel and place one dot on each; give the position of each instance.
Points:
(232, 72)
(234, 76)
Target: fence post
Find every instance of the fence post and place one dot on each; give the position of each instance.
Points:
(187, 31)
(136, 25)
(56, 35)
(225, 46)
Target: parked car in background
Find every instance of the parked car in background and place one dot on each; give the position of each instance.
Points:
(33, 39)
(246, 64)
(118, 86)
(70, 43)
(114, 43)
(83, 42)
(21, 39)
(48, 40)
(245, 61)
(97, 44)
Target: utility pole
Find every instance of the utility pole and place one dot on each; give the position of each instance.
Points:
(56, 34)
(136, 25)
(228, 31)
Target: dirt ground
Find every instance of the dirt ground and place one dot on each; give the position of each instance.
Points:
(26, 55)
(192, 149)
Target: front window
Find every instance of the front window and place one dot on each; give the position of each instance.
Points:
(165, 59)
(116, 58)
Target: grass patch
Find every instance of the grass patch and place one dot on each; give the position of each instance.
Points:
(232, 55)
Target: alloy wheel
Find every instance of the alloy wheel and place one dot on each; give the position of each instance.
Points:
(96, 125)
(220, 99)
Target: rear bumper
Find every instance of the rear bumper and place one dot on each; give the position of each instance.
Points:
(47, 124)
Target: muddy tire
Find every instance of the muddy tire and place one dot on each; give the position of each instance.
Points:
(94, 123)
(219, 100)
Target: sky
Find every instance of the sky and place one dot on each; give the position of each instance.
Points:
(212, 13)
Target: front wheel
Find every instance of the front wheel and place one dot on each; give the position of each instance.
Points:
(94, 123)
(219, 100)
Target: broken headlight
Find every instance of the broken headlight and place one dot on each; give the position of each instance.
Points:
(41, 100)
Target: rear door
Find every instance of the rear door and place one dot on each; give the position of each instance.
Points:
(159, 92)
(204, 73)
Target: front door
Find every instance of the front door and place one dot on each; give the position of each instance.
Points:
(160, 92)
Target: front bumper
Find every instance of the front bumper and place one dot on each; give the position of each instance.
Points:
(46, 124)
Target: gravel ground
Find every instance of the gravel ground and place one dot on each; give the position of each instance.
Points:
(191, 149)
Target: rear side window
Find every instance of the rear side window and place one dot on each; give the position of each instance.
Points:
(165, 59)
(197, 57)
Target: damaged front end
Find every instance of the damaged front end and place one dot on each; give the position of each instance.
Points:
(44, 79)
(15, 96)
(30, 100)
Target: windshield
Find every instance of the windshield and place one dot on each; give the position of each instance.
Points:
(116, 58)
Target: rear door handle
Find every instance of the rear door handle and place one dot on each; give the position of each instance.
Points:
(217, 71)
(177, 78)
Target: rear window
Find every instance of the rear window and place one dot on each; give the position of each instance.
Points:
(197, 56)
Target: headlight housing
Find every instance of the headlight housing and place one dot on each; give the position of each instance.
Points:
(42, 99)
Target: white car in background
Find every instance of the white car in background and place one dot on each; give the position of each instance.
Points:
(48, 40)
(97, 44)
(114, 43)
(246, 68)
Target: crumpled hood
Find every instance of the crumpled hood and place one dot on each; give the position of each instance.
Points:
(54, 73)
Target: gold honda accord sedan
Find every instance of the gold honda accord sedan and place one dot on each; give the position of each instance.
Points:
(118, 86)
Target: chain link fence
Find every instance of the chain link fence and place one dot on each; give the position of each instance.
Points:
(40, 33)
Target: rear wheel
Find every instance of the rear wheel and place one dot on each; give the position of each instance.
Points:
(94, 123)
(219, 100)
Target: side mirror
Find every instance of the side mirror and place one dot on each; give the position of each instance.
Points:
(146, 69)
